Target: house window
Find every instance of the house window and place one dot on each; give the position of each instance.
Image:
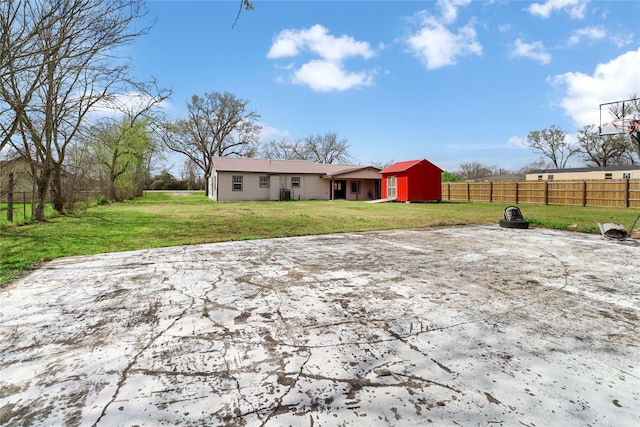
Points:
(237, 182)
(295, 182)
(608, 176)
(355, 186)
(626, 175)
(539, 177)
(264, 182)
(391, 186)
(550, 177)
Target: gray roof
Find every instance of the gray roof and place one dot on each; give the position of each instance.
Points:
(234, 164)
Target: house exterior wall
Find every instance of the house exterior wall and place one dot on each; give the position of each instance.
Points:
(311, 187)
(367, 189)
(583, 175)
(22, 180)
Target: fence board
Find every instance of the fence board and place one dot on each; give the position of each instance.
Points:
(603, 193)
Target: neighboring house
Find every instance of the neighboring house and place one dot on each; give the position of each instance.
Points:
(412, 181)
(264, 179)
(606, 172)
(22, 179)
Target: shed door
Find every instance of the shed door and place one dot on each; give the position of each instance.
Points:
(391, 186)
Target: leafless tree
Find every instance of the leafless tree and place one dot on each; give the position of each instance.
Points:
(283, 150)
(383, 164)
(551, 143)
(326, 149)
(190, 173)
(56, 71)
(475, 170)
(604, 150)
(218, 124)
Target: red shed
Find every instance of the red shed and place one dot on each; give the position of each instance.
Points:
(412, 181)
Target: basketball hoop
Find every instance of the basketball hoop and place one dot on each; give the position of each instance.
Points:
(626, 125)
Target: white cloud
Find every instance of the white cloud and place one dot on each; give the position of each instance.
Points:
(575, 8)
(533, 50)
(269, 133)
(622, 40)
(612, 81)
(326, 76)
(436, 46)
(449, 9)
(518, 141)
(593, 33)
(327, 73)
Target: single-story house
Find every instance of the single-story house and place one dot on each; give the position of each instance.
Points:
(604, 172)
(264, 179)
(412, 181)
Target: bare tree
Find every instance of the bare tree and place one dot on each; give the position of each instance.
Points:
(383, 164)
(326, 149)
(60, 71)
(604, 150)
(244, 4)
(551, 143)
(219, 124)
(190, 174)
(627, 109)
(283, 150)
(474, 170)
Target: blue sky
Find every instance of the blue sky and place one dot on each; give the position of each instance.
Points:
(450, 81)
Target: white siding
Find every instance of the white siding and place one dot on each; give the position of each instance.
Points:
(582, 175)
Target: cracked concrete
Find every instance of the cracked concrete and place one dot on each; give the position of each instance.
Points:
(462, 325)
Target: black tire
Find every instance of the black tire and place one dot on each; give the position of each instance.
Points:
(514, 224)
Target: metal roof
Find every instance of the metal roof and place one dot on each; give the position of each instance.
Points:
(406, 165)
(234, 164)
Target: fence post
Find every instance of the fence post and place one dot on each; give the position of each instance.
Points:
(490, 191)
(468, 192)
(584, 193)
(546, 193)
(10, 198)
(626, 193)
(517, 189)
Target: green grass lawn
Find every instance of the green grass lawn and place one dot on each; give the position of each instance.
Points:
(166, 219)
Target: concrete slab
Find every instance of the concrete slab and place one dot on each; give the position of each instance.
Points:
(451, 326)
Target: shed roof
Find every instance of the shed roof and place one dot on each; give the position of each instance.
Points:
(234, 164)
(406, 165)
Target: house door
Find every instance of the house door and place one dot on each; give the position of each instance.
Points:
(391, 186)
(339, 189)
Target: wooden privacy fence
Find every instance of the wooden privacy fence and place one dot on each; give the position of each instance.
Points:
(605, 192)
